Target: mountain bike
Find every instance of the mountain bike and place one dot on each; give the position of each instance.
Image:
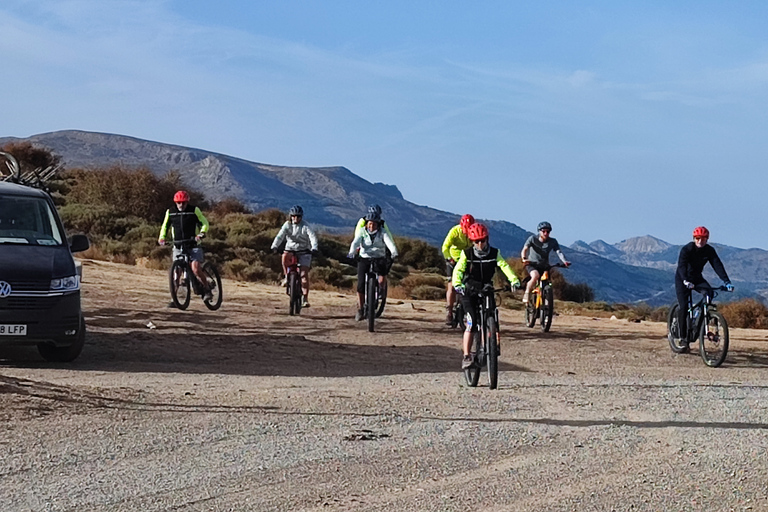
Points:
(293, 281)
(704, 322)
(375, 295)
(183, 282)
(457, 315)
(541, 301)
(486, 341)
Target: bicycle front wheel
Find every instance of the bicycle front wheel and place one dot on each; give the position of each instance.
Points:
(547, 308)
(213, 280)
(676, 343)
(370, 301)
(178, 278)
(294, 293)
(492, 351)
(713, 339)
(382, 300)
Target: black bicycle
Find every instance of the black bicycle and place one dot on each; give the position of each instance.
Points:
(375, 294)
(704, 322)
(293, 282)
(486, 341)
(457, 315)
(183, 282)
(541, 301)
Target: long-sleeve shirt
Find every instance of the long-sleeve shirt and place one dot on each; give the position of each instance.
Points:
(184, 224)
(360, 227)
(455, 242)
(373, 245)
(691, 262)
(298, 237)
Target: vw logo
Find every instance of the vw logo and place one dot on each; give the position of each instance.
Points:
(5, 289)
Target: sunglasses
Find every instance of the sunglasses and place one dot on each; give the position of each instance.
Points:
(545, 230)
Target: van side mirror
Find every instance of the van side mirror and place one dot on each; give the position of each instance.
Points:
(79, 243)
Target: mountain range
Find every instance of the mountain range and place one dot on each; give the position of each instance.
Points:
(635, 269)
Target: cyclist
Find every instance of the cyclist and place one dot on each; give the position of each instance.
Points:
(372, 243)
(376, 210)
(474, 269)
(298, 237)
(187, 222)
(455, 242)
(690, 264)
(535, 255)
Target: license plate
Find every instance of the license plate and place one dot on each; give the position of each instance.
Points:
(13, 330)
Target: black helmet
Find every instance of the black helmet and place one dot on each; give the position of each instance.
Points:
(372, 216)
(375, 209)
(296, 210)
(544, 225)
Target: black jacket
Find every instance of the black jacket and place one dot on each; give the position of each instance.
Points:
(691, 261)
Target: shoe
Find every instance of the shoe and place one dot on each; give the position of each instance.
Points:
(525, 297)
(359, 315)
(467, 362)
(448, 315)
(284, 282)
(208, 296)
(304, 302)
(171, 305)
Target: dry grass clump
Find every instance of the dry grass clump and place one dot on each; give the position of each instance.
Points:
(746, 313)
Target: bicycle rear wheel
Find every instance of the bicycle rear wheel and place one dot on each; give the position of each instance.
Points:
(472, 374)
(547, 308)
(676, 343)
(492, 351)
(213, 280)
(294, 293)
(530, 309)
(178, 278)
(370, 301)
(713, 339)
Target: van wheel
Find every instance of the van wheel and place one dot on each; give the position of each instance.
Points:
(55, 354)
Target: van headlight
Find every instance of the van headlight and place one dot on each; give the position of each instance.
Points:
(65, 284)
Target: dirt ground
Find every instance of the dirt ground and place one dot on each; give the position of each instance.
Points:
(248, 408)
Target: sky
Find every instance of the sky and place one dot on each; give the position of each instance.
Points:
(610, 119)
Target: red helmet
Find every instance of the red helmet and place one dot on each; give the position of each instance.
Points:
(466, 221)
(701, 232)
(477, 232)
(181, 197)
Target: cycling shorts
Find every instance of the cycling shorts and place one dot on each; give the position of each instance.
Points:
(195, 253)
(305, 259)
(540, 268)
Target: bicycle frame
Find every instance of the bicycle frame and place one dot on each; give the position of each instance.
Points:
(702, 307)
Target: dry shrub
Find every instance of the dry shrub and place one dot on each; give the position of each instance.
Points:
(244, 271)
(747, 313)
(415, 280)
(397, 292)
(659, 314)
(427, 292)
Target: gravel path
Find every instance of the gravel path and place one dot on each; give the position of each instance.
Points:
(250, 409)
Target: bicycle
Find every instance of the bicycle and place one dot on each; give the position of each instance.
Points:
(486, 340)
(541, 301)
(183, 281)
(704, 322)
(375, 295)
(293, 281)
(457, 315)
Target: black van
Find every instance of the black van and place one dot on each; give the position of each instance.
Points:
(39, 282)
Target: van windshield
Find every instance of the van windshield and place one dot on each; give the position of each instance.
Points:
(28, 220)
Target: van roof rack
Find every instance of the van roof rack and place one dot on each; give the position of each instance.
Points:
(36, 178)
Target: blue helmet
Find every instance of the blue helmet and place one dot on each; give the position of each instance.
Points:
(296, 210)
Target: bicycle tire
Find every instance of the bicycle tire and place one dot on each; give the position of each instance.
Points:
(294, 294)
(472, 374)
(492, 351)
(457, 319)
(531, 311)
(382, 300)
(178, 280)
(547, 308)
(213, 280)
(676, 343)
(713, 339)
(370, 301)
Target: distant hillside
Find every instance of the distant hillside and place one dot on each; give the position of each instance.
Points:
(334, 198)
